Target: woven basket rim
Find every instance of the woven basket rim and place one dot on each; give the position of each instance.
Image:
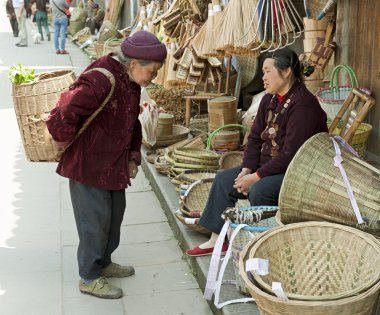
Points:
(306, 226)
(291, 305)
(321, 97)
(65, 72)
(197, 153)
(195, 227)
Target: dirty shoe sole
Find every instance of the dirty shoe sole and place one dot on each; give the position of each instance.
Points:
(103, 296)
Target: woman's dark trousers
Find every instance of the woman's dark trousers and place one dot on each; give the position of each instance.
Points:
(223, 195)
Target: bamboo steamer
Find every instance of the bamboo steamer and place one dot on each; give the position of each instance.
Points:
(314, 25)
(165, 124)
(222, 111)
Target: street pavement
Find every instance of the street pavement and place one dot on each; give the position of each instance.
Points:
(38, 238)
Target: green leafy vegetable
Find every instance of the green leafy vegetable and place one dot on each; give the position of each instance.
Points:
(18, 74)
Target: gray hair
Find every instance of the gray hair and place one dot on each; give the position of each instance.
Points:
(127, 60)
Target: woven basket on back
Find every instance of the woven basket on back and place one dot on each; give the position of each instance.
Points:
(314, 189)
(318, 261)
(32, 103)
(361, 304)
(231, 159)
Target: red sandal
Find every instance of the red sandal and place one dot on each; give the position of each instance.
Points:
(196, 251)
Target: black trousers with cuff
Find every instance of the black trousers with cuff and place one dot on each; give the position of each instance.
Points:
(222, 195)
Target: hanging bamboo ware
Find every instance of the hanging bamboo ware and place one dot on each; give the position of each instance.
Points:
(314, 188)
(33, 103)
(328, 240)
(221, 111)
(165, 124)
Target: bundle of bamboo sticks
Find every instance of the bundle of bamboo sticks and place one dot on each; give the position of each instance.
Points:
(113, 11)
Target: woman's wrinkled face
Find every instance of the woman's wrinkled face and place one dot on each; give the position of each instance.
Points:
(274, 81)
(144, 74)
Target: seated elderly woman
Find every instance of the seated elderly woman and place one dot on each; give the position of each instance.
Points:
(288, 115)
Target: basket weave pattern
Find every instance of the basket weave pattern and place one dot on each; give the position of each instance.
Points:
(313, 188)
(361, 304)
(318, 261)
(32, 104)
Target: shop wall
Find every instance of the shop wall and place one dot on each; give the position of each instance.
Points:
(358, 39)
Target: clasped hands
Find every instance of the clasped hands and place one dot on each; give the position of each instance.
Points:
(245, 180)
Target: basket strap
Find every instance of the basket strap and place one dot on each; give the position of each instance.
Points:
(88, 121)
(213, 286)
(338, 163)
(335, 76)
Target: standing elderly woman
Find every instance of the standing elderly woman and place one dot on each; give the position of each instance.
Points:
(288, 115)
(102, 160)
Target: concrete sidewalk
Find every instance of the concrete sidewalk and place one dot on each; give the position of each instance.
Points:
(38, 238)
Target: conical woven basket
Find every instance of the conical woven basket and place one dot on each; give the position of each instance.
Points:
(32, 103)
(361, 304)
(314, 190)
(318, 261)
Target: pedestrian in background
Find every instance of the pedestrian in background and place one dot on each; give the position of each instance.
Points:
(41, 17)
(21, 7)
(61, 21)
(101, 162)
(12, 17)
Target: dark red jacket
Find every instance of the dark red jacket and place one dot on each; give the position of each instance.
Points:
(99, 157)
(303, 118)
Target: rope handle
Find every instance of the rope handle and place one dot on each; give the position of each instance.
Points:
(209, 145)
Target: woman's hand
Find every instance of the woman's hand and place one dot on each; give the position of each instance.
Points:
(244, 183)
(132, 169)
(244, 171)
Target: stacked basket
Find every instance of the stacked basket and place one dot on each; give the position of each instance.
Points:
(314, 268)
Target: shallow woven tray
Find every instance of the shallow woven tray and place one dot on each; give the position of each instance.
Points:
(197, 153)
(192, 160)
(179, 133)
(195, 227)
(318, 261)
(191, 176)
(231, 159)
(314, 190)
(268, 304)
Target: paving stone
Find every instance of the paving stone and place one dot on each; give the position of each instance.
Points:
(87, 305)
(145, 233)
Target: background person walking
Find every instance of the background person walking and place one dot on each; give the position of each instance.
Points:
(42, 17)
(61, 21)
(12, 17)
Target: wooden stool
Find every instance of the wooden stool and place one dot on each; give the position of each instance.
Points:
(358, 105)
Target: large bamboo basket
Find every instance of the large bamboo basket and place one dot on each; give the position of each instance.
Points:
(361, 304)
(32, 104)
(314, 190)
(318, 261)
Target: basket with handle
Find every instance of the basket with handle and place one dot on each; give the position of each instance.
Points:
(220, 129)
(333, 97)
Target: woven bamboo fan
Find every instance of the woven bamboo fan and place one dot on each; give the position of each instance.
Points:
(361, 304)
(314, 189)
(318, 261)
(231, 159)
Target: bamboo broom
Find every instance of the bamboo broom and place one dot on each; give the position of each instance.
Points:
(218, 14)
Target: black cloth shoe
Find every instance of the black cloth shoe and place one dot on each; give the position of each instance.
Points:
(21, 45)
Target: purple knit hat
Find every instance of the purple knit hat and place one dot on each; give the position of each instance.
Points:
(144, 45)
